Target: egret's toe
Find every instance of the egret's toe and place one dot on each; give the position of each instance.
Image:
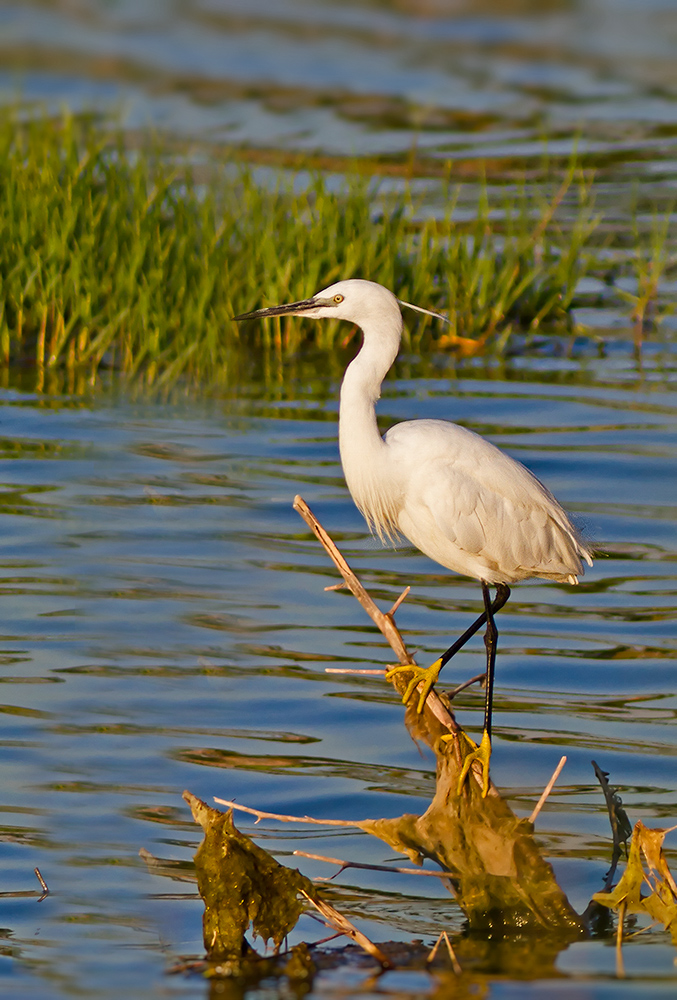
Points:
(472, 752)
(425, 675)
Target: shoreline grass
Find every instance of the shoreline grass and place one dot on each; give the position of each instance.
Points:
(111, 260)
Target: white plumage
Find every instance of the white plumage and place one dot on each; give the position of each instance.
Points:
(470, 507)
(454, 495)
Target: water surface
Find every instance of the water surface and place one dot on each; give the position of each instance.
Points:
(166, 627)
(457, 80)
(165, 622)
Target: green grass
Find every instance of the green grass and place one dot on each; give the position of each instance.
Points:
(121, 261)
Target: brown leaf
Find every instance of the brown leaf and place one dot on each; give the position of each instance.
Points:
(661, 901)
(241, 884)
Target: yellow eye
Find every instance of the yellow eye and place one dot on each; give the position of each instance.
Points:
(338, 298)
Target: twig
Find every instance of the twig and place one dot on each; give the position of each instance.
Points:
(466, 684)
(402, 597)
(620, 968)
(546, 791)
(384, 622)
(354, 824)
(354, 670)
(452, 955)
(373, 868)
(342, 924)
(283, 818)
(43, 885)
(29, 893)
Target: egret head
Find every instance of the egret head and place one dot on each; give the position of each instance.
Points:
(355, 300)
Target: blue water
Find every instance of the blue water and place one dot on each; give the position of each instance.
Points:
(165, 619)
(459, 81)
(166, 627)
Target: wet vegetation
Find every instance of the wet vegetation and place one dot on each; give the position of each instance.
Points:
(496, 874)
(495, 869)
(135, 262)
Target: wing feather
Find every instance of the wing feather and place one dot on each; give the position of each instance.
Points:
(472, 508)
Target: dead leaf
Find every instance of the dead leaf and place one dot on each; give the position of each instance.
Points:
(241, 884)
(660, 903)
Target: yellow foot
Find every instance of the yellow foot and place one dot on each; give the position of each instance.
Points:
(472, 752)
(427, 675)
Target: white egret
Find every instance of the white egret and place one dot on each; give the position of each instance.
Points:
(456, 497)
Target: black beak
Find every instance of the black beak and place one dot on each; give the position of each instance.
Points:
(293, 309)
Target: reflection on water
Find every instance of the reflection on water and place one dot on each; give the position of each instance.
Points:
(165, 627)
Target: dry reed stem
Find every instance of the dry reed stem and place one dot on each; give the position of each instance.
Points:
(452, 955)
(43, 885)
(402, 597)
(343, 864)
(336, 920)
(281, 816)
(620, 967)
(548, 788)
(355, 670)
(383, 621)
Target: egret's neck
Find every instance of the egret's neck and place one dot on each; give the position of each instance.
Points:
(360, 391)
(361, 446)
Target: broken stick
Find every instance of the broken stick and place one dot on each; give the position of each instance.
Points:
(383, 620)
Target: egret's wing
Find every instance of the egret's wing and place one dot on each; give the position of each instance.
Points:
(473, 508)
(508, 535)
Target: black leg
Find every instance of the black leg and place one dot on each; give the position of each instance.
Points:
(481, 753)
(490, 641)
(502, 595)
(425, 678)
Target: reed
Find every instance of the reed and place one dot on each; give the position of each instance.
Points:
(119, 260)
